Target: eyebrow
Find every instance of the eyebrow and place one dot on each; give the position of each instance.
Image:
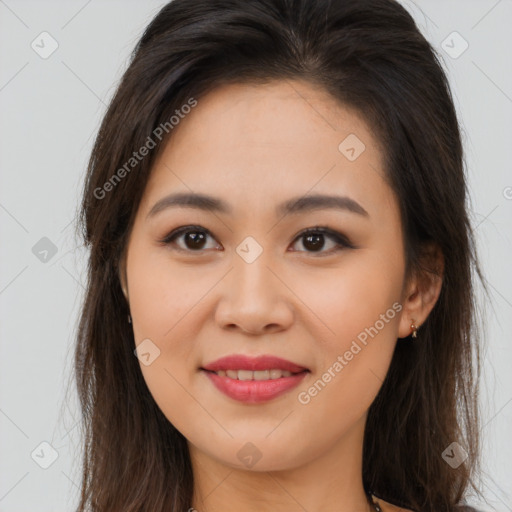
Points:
(292, 206)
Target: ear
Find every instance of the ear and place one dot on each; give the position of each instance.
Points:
(422, 290)
(122, 275)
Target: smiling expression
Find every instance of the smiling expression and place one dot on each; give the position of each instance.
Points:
(290, 247)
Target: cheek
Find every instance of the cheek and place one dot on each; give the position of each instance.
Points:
(163, 293)
(165, 307)
(352, 297)
(358, 308)
(165, 304)
(361, 309)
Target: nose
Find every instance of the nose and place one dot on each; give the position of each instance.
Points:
(254, 299)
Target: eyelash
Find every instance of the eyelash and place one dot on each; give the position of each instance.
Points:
(341, 241)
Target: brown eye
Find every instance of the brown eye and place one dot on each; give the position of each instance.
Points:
(193, 238)
(314, 240)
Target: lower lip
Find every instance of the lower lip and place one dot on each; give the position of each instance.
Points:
(254, 391)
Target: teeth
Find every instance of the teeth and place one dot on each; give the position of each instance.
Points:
(261, 375)
(257, 375)
(245, 375)
(275, 374)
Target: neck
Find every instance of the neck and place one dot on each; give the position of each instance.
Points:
(332, 482)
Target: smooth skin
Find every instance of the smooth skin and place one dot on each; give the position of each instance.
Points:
(254, 147)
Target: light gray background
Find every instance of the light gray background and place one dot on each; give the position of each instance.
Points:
(50, 110)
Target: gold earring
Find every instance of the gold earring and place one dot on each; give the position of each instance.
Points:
(414, 330)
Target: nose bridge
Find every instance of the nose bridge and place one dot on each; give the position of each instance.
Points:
(251, 275)
(253, 298)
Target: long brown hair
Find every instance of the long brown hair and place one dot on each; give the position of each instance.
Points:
(369, 55)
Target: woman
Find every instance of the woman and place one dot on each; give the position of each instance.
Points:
(280, 312)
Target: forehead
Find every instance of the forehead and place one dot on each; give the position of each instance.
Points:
(262, 143)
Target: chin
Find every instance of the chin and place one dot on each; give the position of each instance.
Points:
(258, 455)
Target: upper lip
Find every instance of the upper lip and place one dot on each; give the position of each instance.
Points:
(243, 362)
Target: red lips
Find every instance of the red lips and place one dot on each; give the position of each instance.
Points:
(263, 362)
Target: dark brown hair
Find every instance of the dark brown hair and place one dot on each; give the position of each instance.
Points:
(370, 56)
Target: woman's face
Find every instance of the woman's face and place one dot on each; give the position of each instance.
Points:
(244, 279)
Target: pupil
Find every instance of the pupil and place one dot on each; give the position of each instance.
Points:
(314, 242)
(196, 238)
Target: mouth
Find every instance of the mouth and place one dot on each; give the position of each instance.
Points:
(254, 379)
(272, 374)
(255, 364)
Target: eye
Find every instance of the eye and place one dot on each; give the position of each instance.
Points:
(194, 239)
(313, 239)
